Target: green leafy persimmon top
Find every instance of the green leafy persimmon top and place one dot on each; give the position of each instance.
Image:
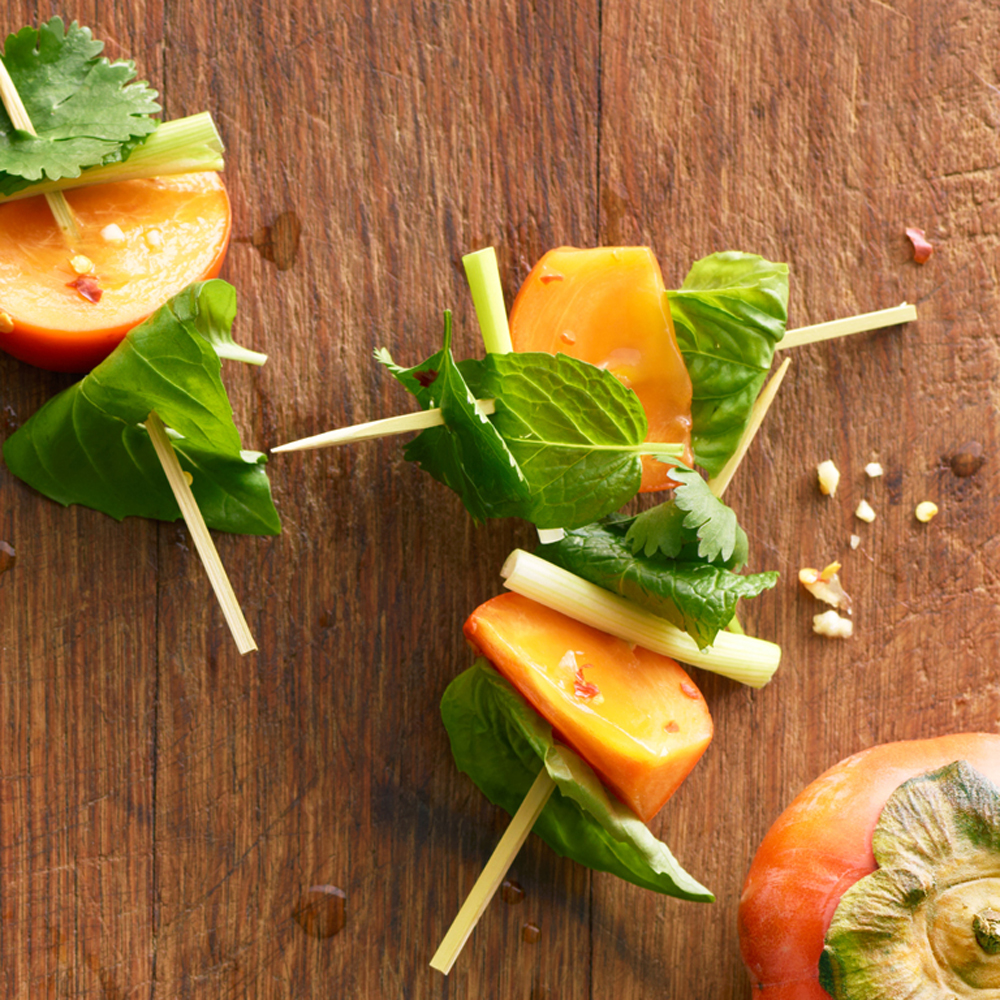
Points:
(83, 107)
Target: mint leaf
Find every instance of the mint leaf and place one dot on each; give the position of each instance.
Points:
(561, 450)
(86, 445)
(697, 597)
(501, 743)
(729, 315)
(83, 107)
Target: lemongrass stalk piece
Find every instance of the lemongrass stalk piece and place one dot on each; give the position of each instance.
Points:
(487, 296)
(183, 146)
(862, 323)
(418, 421)
(199, 534)
(740, 657)
(492, 875)
(759, 410)
(18, 115)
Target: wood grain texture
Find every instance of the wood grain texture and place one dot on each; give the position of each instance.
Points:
(166, 805)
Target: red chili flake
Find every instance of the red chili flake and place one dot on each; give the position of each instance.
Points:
(922, 250)
(547, 278)
(690, 690)
(88, 287)
(567, 338)
(584, 689)
(671, 727)
(426, 378)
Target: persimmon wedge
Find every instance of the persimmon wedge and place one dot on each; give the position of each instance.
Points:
(634, 716)
(608, 306)
(145, 239)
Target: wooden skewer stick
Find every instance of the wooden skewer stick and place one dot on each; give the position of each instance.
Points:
(793, 338)
(18, 115)
(757, 413)
(199, 534)
(492, 875)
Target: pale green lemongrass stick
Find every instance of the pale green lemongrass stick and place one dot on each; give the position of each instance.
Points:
(199, 534)
(183, 146)
(861, 323)
(492, 875)
(739, 657)
(759, 410)
(18, 115)
(487, 296)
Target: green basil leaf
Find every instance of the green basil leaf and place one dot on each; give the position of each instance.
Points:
(501, 743)
(729, 315)
(697, 597)
(87, 445)
(83, 108)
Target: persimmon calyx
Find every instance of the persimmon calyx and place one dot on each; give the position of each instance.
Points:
(926, 923)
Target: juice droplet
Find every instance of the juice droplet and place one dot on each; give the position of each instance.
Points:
(530, 933)
(671, 727)
(511, 892)
(321, 911)
(7, 557)
(968, 460)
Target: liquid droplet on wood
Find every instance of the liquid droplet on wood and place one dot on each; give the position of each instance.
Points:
(511, 892)
(321, 911)
(279, 242)
(7, 557)
(968, 460)
(530, 933)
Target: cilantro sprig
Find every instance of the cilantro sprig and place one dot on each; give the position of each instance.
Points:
(85, 109)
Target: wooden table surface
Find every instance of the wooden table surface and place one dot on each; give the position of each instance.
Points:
(166, 805)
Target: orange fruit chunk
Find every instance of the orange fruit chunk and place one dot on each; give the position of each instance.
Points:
(634, 716)
(144, 241)
(608, 306)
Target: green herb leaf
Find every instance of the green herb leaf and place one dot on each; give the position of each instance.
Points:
(561, 450)
(697, 597)
(501, 743)
(729, 314)
(706, 519)
(87, 445)
(83, 107)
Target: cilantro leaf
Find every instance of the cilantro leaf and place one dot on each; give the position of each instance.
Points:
(83, 107)
(694, 515)
(729, 315)
(87, 445)
(698, 597)
(562, 448)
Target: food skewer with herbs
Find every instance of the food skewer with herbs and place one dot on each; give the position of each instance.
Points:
(122, 251)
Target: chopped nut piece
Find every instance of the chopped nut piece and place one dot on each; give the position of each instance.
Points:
(925, 511)
(864, 512)
(153, 238)
(833, 626)
(873, 470)
(826, 586)
(829, 477)
(6, 322)
(855, 541)
(113, 234)
(81, 264)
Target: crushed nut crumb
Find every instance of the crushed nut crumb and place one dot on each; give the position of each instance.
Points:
(855, 541)
(113, 234)
(873, 470)
(864, 512)
(825, 586)
(833, 626)
(153, 238)
(829, 477)
(926, 511)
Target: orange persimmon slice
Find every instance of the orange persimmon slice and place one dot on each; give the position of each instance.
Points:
(634, 716)
(145, 239)
(608, 306)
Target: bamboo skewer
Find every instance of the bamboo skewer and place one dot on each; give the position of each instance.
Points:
(861, 323)
(18, 115)
(200, 535)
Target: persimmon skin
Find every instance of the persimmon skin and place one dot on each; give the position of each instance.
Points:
(820, 846)
(48, 323)
(608, 306)
(635, 716)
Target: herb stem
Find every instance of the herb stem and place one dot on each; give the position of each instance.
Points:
(18, 115)
(184, 146)
(487, 296)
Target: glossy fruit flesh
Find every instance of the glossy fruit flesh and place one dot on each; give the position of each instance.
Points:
(173, 231)
(634, 716)
(608, 306)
